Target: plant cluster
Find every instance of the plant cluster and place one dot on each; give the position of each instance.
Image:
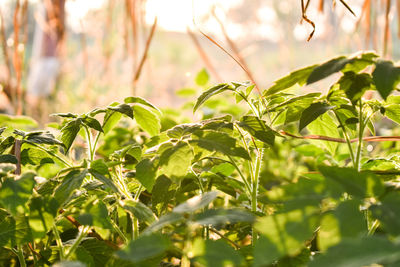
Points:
(277, 179)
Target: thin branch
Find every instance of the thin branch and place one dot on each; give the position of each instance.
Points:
(386, 30)
(144, 56)
(203, 55)
(341, 140)
(304, 17)
(237, 246)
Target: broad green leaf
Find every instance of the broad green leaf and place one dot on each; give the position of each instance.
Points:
(258, 129)
(186, 92)
(202, 78)
(223, 216)
(42, 138)
(42, 211)
(358, 64)
(72, 181)
(69, 133)
(123, 109)
(215, 253)
(346, 221)
(110, 120)
(35, 156)
(138, 210)
(99, 166)
(8, 158)
(15, 193)
(105, 179)
(176, 160)
(165, 220)
(146, 172)
(183, 129)
(95, 213)
(161, 192)
(358, 252)
(196, 203)
(145, 247)
(211, 92)
(92, 123)
(326, 69)
(326, 126)
(17, 121)
(312, 113)
(358, 184)
(6, 143)
(147, 120)
(386, 77)
(142, 101)
(13, 230)
(219, 142)
(354, 85)
(295, 100)
(297, 77)
(392, 111)
(284, 234)
(99, 250)
(388, 212)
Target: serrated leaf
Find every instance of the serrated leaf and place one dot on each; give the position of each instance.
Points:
(146, 172)
(72, 181)
(6, 143)
(147, 120)
(297, 77)
(211, 92)
(139, 100)
(312, 113)
(386, 77)
(69, 133)
(35, 156)
(42, 138)
(14, 194)
(326, 69)
(354, 85)
(181, 130)
(138, 210)
(176, 160)
(202, 78)
(95, 213)
(326, 126)
(196, 202)
(258, 129)
(92, 123)
(219, 142)
(42, 211)
(106, 180)
(13, 230)
(123, 109)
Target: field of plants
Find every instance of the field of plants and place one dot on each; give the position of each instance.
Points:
(276, 179)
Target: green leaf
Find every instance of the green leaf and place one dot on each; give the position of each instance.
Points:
(312, 113)
(99, 250)
(123, 109)
(139, 100)
(183, 129)
(358, 184)
(326, 126)
(215, 253)
(65, 115)
(186, 92)
(145, 247)
(105, 179)
(392, 111)
(388, 212)
(346, 221)
(14, 194)
(220, 216)
(6, 143)
(95, 213)
(258, 129)
(72, 181)
(297, 77)
(146, 172)
(196, 202)
(17, 121)
(13, 230)
(42, 211)
(284, 234)
(354, 85)
(147, 120)
(8, 158)
(176, 160)
(202, 78)
(42, 138)
(386, 77)
(69, 133)
(138, 210)
(326, 69)
(165, 220)
(35, 156)
(219, 142)
(358, 252)
(92, 123)
(210, 92)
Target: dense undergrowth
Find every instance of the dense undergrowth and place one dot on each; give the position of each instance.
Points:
(277, 179)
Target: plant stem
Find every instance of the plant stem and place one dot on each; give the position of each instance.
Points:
(82, 233)
(89, 140)
(59, 242)
(246, 183)
(360, 138)
(20, 254)
(347, 138)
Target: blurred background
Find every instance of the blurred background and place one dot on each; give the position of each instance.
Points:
(74, 55)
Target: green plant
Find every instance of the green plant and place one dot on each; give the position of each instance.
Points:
(277, 179)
